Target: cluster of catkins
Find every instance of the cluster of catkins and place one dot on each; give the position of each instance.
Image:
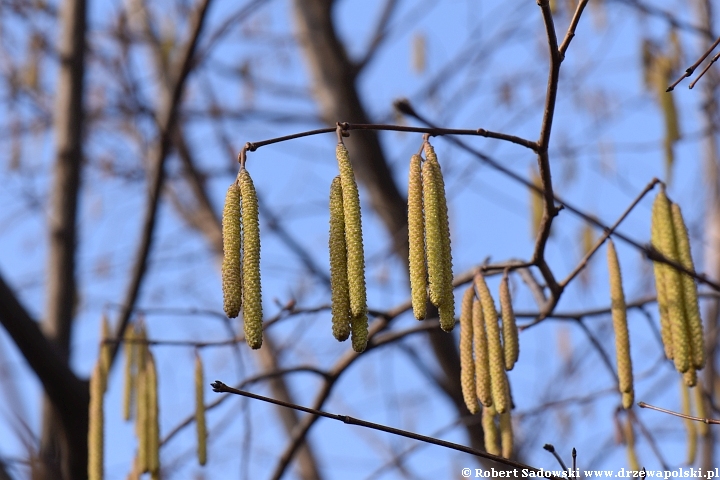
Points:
(241, 260)
(680, 323)
(141, 387)
(486, 353)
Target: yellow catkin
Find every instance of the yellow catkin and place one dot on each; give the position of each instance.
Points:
(482, 363)
(690, 377)
(690, 427)
(141, 421)
(105, 352)
(416, 238)
(692, 311)
(628, 398)
(511, 344)
(701, 410)
(490, 431)
(359, 330)
(129, 375)
(495, 353)
(437, 238)
(96, 421)
(153, 416)
(506, 435)
(619, 317)
(630, 443)
(353, 235)
(251, 287)
(662, 216)
(200, 412)
(467, 363)
(231, 266)
(659, 270)
(338, 264)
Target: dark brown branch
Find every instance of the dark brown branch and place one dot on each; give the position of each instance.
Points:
(220, 387)
(166, 124)
(704, 71)
(689, 71)
(570, 34)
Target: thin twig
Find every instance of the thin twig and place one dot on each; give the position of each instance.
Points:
(550, 448)
(689, 71)
(709, 421)
(707, 67)
(570, 34)
(220, 387)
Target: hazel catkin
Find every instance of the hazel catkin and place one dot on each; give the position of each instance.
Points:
(692, 311)
(232, 266)
(482, 362)
(619, 317)
(496, 358)
(490, 431)
(467, 365)
(200, 425)
(338, 264)
(353, 235)
(129, 373)
(153, 416)
(437, 238)
(251, 286)
(416, 237)
(506, 435)
(511, 344)
(96, 433)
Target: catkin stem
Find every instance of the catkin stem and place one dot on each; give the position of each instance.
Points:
(338, 264)
(251, 286)
(416, 237)
(467, 365)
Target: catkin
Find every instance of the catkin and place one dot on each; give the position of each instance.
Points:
(630, 443)
(619, 316)
(130, 349)
(200, 412)
(467, 365)
(506, 435)
(628, 398)
(511, 344)
(690, 377)
(701, 410)
(353, 236)
(251, 288)
(495, 352)
(153, 416)
(416, 238)
(437, 238)
(96, 421)
(692, 311)
(490, 431)
(659, 270)
(359, 329)
(141, 422)
(338, 264)
(482, 362)
(231, 266)
(105, 353)
(690, 427)
(662, 216)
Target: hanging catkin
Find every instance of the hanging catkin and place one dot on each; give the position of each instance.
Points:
(200, 412)
(495, 352)
(231, 266)
(338, 264)
(619, 317)
(353, 234)
(511, 344)
(129, 375)
(105, 353)
(482, 362)
(692, 311)
(153, 416)
(467, 365)
(662, 218)
(437, 238)
(96, 421)
(141, 420)
(251, 287)
(701, 410)
(506, 435)
(490, 431)
(630, 443)
(690, 427)
(416, 237)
